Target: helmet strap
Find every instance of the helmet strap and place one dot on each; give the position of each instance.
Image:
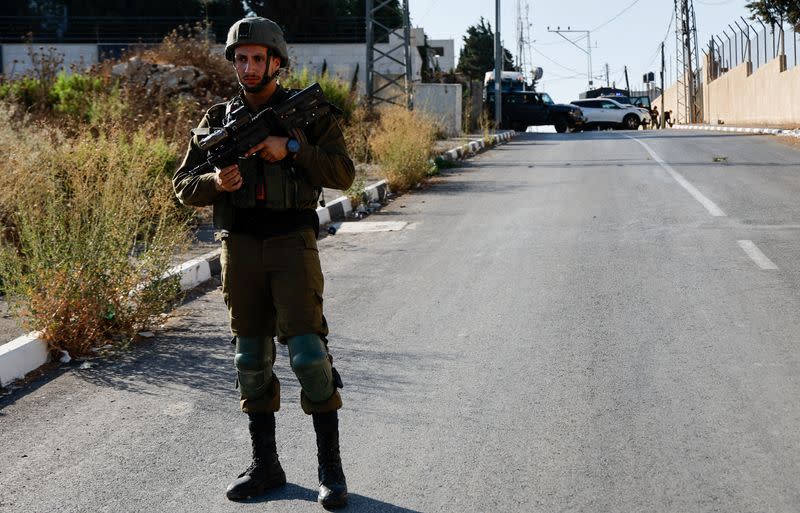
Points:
(266, 79)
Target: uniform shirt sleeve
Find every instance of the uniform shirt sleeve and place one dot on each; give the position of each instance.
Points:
(197, 190)
(324, 159)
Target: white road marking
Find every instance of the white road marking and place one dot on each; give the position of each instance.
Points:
(371, 226)
(756, 255)
(712, 207)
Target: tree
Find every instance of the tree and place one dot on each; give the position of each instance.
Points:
(776, 11)
(477, 55)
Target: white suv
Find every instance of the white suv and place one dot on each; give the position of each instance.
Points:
(607, 113)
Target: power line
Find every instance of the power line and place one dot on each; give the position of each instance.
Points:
(554, 62)
(617, 16)
(581, 38)
(664, 40)
(563, 77)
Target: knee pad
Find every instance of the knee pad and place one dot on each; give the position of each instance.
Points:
(253, 363)
(310, 363)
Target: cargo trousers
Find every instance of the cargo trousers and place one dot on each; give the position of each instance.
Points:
(273, 288)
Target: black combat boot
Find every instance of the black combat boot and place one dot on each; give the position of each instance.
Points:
(332, 486)
(265, 471)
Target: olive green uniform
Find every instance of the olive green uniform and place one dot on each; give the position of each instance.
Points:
(271, 275)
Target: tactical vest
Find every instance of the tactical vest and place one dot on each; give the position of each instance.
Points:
(270, 185)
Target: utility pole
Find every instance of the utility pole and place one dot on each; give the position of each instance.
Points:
(607, 79)
(498, 67)
(687, 62)
(588, 50)
(663, 66)
(627, 83)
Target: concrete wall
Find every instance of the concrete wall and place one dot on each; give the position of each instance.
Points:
(768, 96)
(447, 59)
(341, 59)
(17, 61)
(670, 100)
(344, 60)
(442, 102)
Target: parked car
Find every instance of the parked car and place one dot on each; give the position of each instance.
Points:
(522, 109)
(636, 101)
(608, 113)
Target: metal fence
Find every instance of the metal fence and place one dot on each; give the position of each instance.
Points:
(751, 41)
(109, 29)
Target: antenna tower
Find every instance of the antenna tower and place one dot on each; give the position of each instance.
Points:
(687, 64)
(524, 60)
(383, 86)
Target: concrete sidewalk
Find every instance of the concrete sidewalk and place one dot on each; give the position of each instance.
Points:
(29, 352)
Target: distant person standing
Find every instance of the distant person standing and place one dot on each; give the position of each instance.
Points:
(668, 118)
(654, 116)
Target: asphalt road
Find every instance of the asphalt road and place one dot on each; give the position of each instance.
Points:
(569, 323)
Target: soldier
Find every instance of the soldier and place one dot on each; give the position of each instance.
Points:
(264, 207)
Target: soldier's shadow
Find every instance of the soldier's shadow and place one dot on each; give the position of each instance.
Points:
(356, 503)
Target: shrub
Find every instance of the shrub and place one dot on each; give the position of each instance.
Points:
(336, 90)
(72, 94)
(402, 145)
(34, 90)
(358, 132)
(487, 127)
(355, 193)
(94, 218)
(28, 92)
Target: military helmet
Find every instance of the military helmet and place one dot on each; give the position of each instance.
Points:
(257, 31)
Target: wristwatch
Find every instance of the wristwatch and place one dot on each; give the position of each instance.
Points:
(292, 146)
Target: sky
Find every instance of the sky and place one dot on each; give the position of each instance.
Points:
(623, 33)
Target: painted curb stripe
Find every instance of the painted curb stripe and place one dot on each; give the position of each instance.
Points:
(744, 130)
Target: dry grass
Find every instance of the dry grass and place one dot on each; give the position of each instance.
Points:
(402, 145)
(487, 127)
(357, 134)
(93, 217)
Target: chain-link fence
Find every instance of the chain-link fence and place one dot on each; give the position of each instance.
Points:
(751, 41)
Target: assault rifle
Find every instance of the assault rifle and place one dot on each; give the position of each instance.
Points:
(245, 130)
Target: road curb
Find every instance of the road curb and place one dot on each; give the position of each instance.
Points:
(741, 130)
(29, 352)
(20, 356)
(341, 206)
(472, 147)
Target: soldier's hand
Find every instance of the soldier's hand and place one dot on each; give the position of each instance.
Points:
(271, 149)
(228, 179)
